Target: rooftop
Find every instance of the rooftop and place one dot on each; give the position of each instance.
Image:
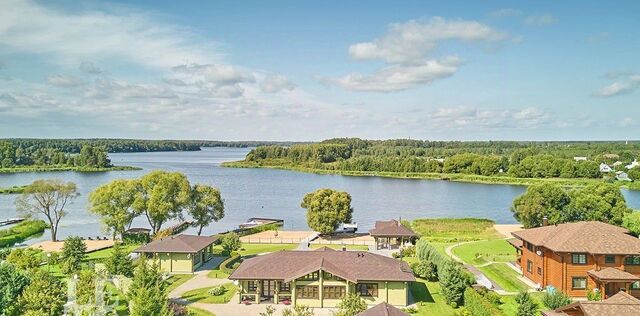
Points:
(391, 228)
(613, 274)
(621, 304)
(353, 266)
(383, 309)
(590, 237)
(178, 244)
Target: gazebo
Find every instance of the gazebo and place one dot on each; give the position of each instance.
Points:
(392, 235)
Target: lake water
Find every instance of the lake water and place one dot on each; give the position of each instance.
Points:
(277, 193)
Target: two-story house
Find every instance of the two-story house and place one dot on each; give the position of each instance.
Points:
(577, 257)
(321, 278)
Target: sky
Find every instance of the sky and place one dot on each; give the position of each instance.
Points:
(311, 70)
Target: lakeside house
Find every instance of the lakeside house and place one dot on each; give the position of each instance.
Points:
(577, 257)
(633, 164)
(392, 235)
(383, 309)
(622, 176)
(620, 304)
(321, 278)
(605, 168)
(179, 254)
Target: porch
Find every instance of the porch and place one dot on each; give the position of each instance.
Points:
(610, 281)
(266, 291)
(392, 242)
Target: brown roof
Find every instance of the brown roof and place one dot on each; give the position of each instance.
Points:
(391, 228)
(590, 237)
(613, 274)
(354, 266)
(515, 242)
(383, 309)
(621, 304)
(178, 244)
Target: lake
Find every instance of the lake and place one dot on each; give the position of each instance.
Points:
(277, 193)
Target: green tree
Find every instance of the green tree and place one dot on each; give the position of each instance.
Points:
(327, 209)
(555, 299)
(119, 262)
(426, 270)
(147, 293)
(634, 173)
(162, 196)
(205, 206)
(48, 198)
(541, 200)
(73, 252)
(113, 202)
(44, 296)
(526, 305)
(599, 202)
(631, 221)
(25, 258)
(230, 242)
(12, 282)
(453, 281)
(351, 305)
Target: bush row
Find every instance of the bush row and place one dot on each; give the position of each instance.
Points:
(479, 305)
(227, 266)
(21, 232)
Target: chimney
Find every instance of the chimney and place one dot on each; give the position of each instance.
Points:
(545, 221)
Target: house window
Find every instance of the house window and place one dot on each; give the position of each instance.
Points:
(367, 289)
(632, 260)
(530, 247)
(578, 283)
(334, 292)
(329, 276)
(539, 271)
(579, 258)
(314, 276)
(307, 291)
(529, 266)
(610, 259)
(635, 285)
(285, 287)
(252, 286)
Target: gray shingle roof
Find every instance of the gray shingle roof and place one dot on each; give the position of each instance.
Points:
(178, 244)
(383, 309)
(391, 228)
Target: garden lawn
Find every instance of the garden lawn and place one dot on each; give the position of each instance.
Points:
(254, 249)
(504, 276)
(176, 280)
(202, 295)
(102, 254)
(477, 253)
(429, 300)
(193, 311)
(455, 229)
(339, 247)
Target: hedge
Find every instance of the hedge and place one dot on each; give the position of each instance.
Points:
(426, 252)
(20, 232)
(478, 305)
(227, 265)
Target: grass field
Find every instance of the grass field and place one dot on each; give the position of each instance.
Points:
(504, 276)
(339, 247)
(176, 280)
(102, 254)
(193, 311)
(254, 249)
(455, 229)
(202, 295)
(429, 298)
(480, 252)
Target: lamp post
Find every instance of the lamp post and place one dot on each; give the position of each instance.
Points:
(49, 262)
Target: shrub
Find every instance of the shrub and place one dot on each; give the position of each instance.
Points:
(229, 264)
(426, 270)
(72, 254)
(526, 305)
(230, 242)
(25, 258)
(351, 305)
(217, 291)
(555, 299)
(119, 262)
(20, 232)
(594, 295)
(426, 252)
(478, 304)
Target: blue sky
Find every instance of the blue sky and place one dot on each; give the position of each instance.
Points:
(309, 70)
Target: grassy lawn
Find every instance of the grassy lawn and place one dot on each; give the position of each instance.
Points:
(339, 247)
(429, 298)
(477, 253)
(198, 312)
(102, 254)
(254, 249)
(217, 273)
(504, 276)
(176, 280)
(202, 295)
(455, 229)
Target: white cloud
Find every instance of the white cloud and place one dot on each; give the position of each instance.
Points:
(409, 42)
(626, 122)
(90, 68)
(399, 77)
(276, 83)
(506, 12)
(131, 35)
(214, 73)
(540, 20)
(628, 82)
(64, 81)
(470, 117)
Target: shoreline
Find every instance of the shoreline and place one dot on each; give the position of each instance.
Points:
(455, 177)
(66, 168)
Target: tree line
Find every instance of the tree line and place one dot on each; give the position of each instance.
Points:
(12, 155)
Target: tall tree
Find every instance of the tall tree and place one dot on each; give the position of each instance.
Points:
(73, 252)
(162, 196)
(147, 293)
(599, 202)
(48, 198)
(113, 202)
(119, 262)
(327, 209)
(205, 206)
(12, 282)
(541, 200)
(45, 296)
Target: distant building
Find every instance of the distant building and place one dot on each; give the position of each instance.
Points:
(622, 176)
(633, 164)
(605, 168)
(580, 158)
(392, 235)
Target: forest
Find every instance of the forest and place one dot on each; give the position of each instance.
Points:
(515, 159)
(12, 156)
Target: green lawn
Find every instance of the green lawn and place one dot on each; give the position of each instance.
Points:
(102, 254)
(339, 247)
(116, 297)
(504, 276)
(176, 280)
(254, 249)
(454, 229)
(194, 311)
(202, 295)
(216, 273)
(477, 253)
(429, 299)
